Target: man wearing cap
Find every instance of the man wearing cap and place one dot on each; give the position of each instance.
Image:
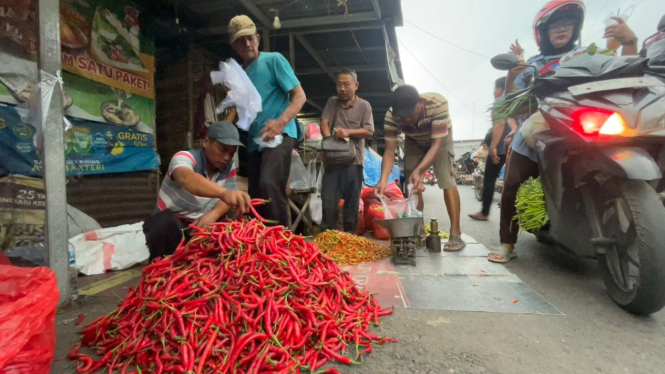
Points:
(199, 189)
(282, 98)
(426, 125)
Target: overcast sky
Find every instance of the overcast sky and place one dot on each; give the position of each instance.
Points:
(487, 27)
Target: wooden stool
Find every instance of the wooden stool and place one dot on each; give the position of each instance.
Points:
(300, 211)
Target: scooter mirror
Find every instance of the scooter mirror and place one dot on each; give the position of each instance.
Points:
(505, 61)
(656, 53)
(661, 24)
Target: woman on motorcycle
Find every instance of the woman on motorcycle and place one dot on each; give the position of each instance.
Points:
(556, 29)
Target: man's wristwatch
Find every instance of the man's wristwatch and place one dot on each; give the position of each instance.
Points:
(630, 42)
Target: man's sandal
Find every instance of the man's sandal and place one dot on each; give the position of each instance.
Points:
(504, 252)
(454, 244)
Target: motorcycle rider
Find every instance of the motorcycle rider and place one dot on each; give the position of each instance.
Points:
(556, 29)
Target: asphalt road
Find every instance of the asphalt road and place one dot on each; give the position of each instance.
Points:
(594, 336)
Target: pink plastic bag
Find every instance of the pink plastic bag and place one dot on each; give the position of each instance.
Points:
(313, 133)
(28, 297)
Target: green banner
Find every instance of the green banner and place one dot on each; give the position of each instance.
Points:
(97, 102)
(103, 40)
(107, 60)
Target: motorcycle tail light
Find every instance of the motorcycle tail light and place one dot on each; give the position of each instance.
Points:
(594, 122)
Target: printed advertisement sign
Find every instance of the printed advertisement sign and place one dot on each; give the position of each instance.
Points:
(108, 63)
(102, 40)
(91, 148)
(94, 101)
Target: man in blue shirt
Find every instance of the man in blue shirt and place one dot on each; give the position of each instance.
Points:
(283, 97)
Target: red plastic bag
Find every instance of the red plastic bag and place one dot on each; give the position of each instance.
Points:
(368, 197)
(360, 227)
(28, 297)
(376, 213)
(393, 192)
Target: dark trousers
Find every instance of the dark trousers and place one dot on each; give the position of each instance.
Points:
(519, 169)
(163, 232)
(341, 182)
(268, 173)
(492, 172)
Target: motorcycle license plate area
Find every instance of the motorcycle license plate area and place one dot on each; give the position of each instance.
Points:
(614, 84)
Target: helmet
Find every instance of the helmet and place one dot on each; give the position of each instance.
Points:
(562, 8)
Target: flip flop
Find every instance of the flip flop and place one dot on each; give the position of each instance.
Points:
(477, 217)
(454, 244)
(504, 252)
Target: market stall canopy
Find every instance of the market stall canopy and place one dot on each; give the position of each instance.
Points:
(317, 37)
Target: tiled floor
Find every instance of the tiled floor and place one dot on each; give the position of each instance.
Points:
(463, 281)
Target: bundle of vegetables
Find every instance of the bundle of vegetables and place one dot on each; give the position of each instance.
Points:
(238, 298)
(348, 249)
(531, 209)
(523, 104)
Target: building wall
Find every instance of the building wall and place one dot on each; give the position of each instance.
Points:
(115, 199)
(464, 146)
(172, 117)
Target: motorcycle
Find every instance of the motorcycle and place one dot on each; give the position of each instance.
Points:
(465, 168)
(602, 163)
(479, 181)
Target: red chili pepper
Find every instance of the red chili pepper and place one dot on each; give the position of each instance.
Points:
(80, 319)
(84, 364)
(206, 352)
(277, 303)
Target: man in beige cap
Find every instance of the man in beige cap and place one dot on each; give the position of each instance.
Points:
(283, 97)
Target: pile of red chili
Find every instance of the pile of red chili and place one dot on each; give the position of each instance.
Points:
(240, 297)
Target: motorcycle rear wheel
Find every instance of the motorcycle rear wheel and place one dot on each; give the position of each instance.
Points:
(478, 187)
(633, 268)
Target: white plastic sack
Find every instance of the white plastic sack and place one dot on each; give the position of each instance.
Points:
(115, 248)
(316, 205)
(79, 222)
(242, 94)
(260, 141)
(298, 177)
(311, 173)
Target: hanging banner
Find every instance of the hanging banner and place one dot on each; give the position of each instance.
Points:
(110, 59)
(95, 101)
(102, 41)
(90, 148)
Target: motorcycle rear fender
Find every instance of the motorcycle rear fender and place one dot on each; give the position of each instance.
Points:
(633, 163)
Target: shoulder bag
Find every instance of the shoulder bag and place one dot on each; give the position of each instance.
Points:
(337, 152)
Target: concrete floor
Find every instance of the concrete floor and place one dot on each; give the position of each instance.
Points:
(593, 335)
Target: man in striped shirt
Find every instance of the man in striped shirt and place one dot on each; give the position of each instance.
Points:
(199, 189)
(426, 125)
